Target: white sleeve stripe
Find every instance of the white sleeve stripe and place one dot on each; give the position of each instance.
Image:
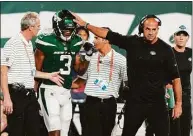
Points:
(78, 43)
(44, 43)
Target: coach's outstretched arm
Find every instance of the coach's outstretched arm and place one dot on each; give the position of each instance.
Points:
(100, 32)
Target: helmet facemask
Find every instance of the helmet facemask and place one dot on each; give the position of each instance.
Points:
(64, 26)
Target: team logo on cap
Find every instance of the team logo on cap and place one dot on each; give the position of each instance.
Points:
(182, 27)
(152, 52)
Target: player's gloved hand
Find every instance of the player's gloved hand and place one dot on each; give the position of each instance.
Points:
(89, 48)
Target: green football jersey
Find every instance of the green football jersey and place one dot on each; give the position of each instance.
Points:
(59, 56)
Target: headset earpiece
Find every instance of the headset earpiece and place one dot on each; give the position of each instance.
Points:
(140, 28)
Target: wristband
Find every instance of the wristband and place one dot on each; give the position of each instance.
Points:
(86, 25)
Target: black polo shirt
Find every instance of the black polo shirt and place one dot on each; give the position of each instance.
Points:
(150, 67)
(184, 61)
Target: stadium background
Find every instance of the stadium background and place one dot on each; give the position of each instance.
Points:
(122, 17)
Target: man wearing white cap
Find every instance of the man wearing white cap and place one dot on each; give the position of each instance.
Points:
(184, 60)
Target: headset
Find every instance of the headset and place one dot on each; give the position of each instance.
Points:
(140, 28)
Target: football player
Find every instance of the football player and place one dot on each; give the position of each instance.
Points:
(59, 51)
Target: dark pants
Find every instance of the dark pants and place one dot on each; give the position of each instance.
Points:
(99, 116)
(178, 127)
(185, 120)
(82, 117)
(149, 129)
(135, 115)
(24, 121)
(43, 129)
(182, 125)
(174, 125)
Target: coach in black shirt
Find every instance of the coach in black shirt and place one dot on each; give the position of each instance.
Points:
(184, 60)
(151, 63)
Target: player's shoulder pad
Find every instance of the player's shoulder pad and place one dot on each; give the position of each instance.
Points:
(78, 36)
(77, 41)
(46, 38)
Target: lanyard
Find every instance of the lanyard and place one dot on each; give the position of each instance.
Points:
(28, 56)
(33, 70)
(111, 65)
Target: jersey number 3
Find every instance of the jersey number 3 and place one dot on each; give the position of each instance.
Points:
(67, 65)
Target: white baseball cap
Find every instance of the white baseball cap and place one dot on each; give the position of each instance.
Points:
(182, 29)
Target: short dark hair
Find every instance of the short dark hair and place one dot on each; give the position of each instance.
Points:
(182, 32)
(82, 28)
